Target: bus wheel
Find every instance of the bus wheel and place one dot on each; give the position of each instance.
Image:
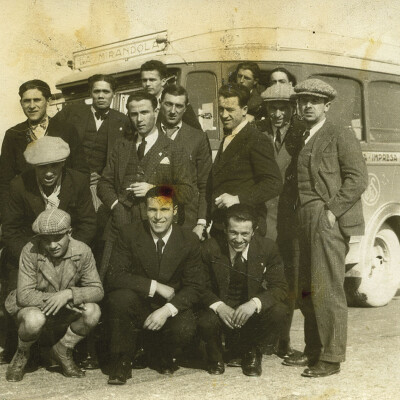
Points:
(381, 273)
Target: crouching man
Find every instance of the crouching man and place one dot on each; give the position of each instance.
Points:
(245, 290)
(57, 284)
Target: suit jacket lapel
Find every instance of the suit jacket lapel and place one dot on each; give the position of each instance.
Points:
(128, 150)
(172, 256)
(147, 254)
(255, 269)
(66, 191)
(48, 271)
(221, 266)
(33, 195)
(155, 155)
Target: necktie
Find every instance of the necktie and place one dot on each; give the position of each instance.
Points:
(100, 115)
(160, 245)
(141, 148)
(306, 134)
(238, 262)
(278, 140)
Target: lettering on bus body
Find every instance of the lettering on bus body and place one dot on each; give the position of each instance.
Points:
(373, 157)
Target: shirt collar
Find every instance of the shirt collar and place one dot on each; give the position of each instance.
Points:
(317, 127)
(94, 111)
(165, 238)
(239, 127)
(150, 138)
(232, 252)
(43, 123)
(178, 126)
(283, 130)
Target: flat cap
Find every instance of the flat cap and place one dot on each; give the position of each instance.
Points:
(52, 222)
(278, 92)
(46, 150)
(315, 87)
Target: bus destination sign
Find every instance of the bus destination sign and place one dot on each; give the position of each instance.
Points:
(123, 50)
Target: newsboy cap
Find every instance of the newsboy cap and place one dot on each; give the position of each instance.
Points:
(315, 87)
(278, 92)
(47, 150)
(52, 222)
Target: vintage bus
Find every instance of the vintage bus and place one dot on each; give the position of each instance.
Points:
(364, 74)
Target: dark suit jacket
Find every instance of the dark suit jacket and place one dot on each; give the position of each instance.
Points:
(78, 115)
(12, 161)
(266, 279)
(246, 168)
(26, 203)
(134, 265)
(195, 144)
(255, 104)
(339, 175)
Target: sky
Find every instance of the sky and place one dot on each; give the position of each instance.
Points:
(38, 34)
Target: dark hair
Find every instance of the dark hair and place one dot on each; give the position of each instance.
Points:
(155, 65)
(175, 90)
(241, 212)
(235, 90)
(35, 84)
(142, 95)
(102, 77)
(162, 191)
(291, 78)
(252, 66)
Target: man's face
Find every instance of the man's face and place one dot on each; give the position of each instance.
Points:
(48, 174)
(152, 82)
(279, 77)
(239, 233)
(56, 245)
(142, 115)
(230, 112)
(102, 95)
(246, 78)
(160, 213)
(280, 112)
(172, 109)
(34, 105)
(313, 109)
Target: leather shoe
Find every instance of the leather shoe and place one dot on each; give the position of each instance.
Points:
(16, 369)
(284, 349)
(322, 369)
(299, 360)
(140, 359)
(235, 362)
(89, 362)
(216, 368)
(167, 366)
(121, 372)
(251, 363)
(63, 356)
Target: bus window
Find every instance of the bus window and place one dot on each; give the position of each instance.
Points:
(346, 109)
(202, 90)
(384, 109)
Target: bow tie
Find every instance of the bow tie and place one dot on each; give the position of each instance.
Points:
(101, 115)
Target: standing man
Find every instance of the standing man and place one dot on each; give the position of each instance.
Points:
(174, 101)
(331, 176)
(154, 280)
(248, 74)
(154, 76)
(137, 164)
(244, 170)
(35, 96)
(245, 291)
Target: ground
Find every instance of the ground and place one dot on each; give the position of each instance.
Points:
(370, 372)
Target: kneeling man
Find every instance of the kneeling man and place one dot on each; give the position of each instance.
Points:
(57, 284)
(245, 290)
(153, 281)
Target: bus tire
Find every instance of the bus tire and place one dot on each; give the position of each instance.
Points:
(380, 276)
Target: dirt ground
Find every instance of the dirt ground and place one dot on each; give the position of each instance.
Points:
(370, 372)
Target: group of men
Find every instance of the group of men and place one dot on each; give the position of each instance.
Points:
(184, 247)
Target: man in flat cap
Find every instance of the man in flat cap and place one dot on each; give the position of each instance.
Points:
(58, 284)
(331, 176)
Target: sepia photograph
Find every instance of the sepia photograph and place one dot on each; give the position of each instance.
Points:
(199, 199)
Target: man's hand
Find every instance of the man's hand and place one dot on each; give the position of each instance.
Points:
(331, 218)
(243, 313)
(53, 304)
(198, 230)
(156, 320)
(226, 200)
(226, 313)
(165, 291)
(94, 178)
(140, 189)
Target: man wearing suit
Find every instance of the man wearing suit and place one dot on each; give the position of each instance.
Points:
(154, 76)
(136, 165)
(154, 280)
(245, 291)
(244, 170)
(35, 96)
(331, 176)
(174, 100)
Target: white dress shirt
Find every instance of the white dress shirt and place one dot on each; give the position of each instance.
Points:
(98, 121)
(315, 129)
(235, 131)
(151, 138)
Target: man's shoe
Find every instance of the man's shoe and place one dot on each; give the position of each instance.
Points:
(322, 369)
(235, 362)
(63, 356)
(284, 349)
(16, 369)
(299, 360)
(140, 359)
(121, 372)
(216, 368)
(89, 362)
(251, 363)
(167, 366)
